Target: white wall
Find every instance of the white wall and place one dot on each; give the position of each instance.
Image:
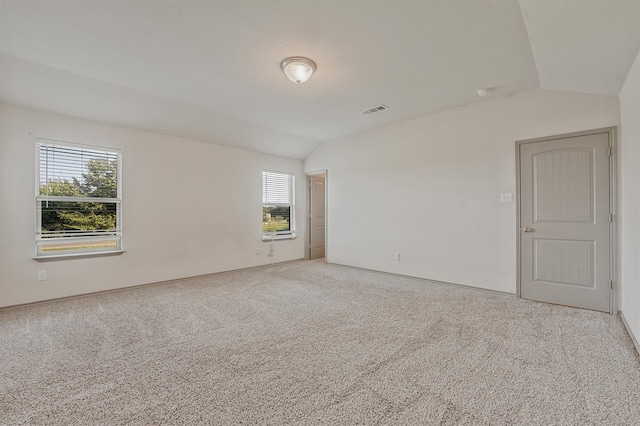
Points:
(189, 208)
(630, 198)
(429, 187)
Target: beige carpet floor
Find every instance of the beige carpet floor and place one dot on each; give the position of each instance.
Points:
(311, 343)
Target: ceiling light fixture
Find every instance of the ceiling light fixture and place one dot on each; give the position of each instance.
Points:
(298, 69)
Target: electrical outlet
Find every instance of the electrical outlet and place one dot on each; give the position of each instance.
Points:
(258, 251)
(396, 256)
(506, 197)
(42, 275)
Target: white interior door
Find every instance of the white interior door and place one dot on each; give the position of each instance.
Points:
(565, 221)
(317, 216)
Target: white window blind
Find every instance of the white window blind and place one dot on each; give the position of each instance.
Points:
(276, 188)
(277, 204)
(78, 200)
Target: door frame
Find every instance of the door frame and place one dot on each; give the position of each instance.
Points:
(613, 208)
(307, 236)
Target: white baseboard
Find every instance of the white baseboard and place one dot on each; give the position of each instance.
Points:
(113, 290)
(633, 337)
(468, 287)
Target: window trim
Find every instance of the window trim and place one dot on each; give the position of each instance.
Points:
(291, 233)
(77, 253)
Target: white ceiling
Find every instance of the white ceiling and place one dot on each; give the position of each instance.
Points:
(583, 45)
(209, 70)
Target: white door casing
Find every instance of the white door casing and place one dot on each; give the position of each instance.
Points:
(564, 224)
(317, 224)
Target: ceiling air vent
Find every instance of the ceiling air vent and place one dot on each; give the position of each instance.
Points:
(375, 109)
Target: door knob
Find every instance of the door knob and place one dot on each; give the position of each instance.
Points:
(526, 229)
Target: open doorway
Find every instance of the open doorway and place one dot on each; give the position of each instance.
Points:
(317, 217)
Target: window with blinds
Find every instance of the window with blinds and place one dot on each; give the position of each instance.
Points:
(78, 198)
(277, 204)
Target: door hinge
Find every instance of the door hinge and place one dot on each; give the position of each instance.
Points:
(610, 284)
(610, 151)
(610, 218)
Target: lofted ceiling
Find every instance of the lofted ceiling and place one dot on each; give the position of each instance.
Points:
(210, 69)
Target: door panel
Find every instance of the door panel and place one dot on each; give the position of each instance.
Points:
(317, 219)
(564, 262)
(564, 218)
(563, 185)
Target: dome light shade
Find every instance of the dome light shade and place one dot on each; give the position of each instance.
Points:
(298, 69)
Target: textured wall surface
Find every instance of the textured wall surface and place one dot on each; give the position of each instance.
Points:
(630, 198)
(189, 208)
(429, 188)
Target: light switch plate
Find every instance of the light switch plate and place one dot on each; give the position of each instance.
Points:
(506, 197)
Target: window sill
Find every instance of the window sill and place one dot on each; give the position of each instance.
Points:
(70, 256)
(278, 237)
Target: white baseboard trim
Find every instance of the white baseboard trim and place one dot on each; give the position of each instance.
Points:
(633, 337)
(113, 290)
(469, 287)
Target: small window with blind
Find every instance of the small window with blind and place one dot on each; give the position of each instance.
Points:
(78, 199)
(278, 219)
